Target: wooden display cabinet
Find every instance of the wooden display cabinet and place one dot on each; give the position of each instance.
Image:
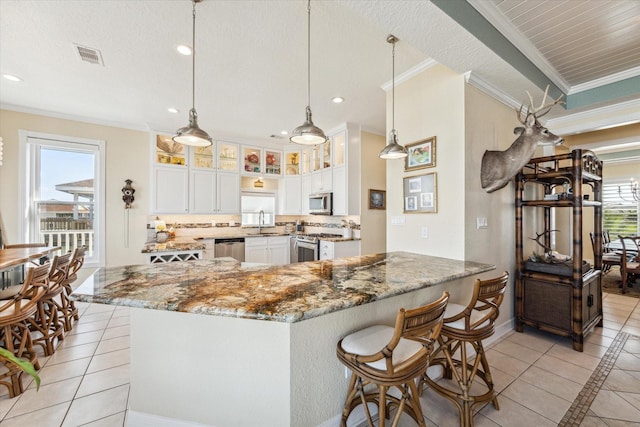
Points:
(567, 303)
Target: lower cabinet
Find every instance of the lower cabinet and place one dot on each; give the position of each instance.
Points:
(267, 250)
(556, 305)
(332, 250)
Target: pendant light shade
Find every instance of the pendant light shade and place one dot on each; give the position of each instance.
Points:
(393, 150)
(308, 133)
(192, 134)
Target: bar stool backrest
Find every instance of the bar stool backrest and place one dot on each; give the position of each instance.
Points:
(76, 263)
(484, 308)
(59, 269)
(34, 287)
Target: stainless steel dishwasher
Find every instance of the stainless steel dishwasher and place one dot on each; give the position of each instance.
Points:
(231, 247)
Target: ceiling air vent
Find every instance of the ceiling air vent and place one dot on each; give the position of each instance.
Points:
(89, 54)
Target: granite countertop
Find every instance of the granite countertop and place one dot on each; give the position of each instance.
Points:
(176, 244)
(289, 293)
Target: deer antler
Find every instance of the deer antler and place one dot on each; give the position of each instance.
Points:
(536, 110)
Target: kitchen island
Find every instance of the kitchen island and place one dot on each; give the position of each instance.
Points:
(220, 343)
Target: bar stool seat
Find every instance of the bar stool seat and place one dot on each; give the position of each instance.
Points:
(463, 329)
(385, 357)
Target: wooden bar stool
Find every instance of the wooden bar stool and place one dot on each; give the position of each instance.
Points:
(14, 329)
(46, 324)
(385, 357)
(467, 326)
(69, 310)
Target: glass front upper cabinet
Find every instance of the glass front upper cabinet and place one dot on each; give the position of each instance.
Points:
(306, 160)
(169, 152)
(227, 156)
(292, 161)
(339, 141)
(252, 156)
(273, 162)
(326, 154)
(203, 157)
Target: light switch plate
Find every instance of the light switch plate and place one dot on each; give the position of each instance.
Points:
(425, 232)
(397, 220)
(481, 222)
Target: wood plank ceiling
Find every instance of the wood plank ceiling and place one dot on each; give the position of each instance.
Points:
(581, 40)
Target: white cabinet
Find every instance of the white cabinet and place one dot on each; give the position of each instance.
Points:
(322, 181)
(306, 190)
(267, 250)
(202, 190)
(291, 196)
(198, 180)
(346, 170)
(333, 250)
(228, 193)
(339, 191)
(171, 190)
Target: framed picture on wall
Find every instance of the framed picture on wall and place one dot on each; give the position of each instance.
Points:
(420, 193)
(421, 154)
(377, 199)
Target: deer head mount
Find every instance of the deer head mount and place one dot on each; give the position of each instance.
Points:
(499, 167)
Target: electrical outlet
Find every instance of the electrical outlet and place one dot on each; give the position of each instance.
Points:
(481, 222)
(425, 232)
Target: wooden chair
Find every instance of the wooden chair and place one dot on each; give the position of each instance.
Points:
(609, 257)
(630, 265)
(463, 327)
(14, 329)
(46, 323)
(69, 310)
(385, 357)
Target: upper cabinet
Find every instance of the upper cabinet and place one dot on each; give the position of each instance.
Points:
(228, 156)
(292, 162)
(252, 160)
(262, 161)
(202, 180)
(273, 162)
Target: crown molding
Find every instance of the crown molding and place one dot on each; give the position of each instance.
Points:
(597, 119)
(410, 73)
(491, 13)
(612, 78)
(72, 117)
(475, 80)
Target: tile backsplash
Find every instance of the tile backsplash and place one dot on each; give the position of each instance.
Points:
(229, 225)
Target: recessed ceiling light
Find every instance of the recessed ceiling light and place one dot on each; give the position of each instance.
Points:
(173, 110)
(337, 99)
(284, 132)
(184, 49)
(12, 78)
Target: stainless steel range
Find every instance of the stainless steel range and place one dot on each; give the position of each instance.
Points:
(306, 247)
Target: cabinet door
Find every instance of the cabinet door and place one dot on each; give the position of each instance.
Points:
(292, 196)
(255, 250)
(326, 249)
(273, 163)
(228, 193)
(278, 250)
(339, 191)
(327, 180)
(339, 148)
(171, 190)
(202, 190)
(228, 154)
(252, 160)
(306, 190)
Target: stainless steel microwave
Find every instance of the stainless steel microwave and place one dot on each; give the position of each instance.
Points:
(321, 204)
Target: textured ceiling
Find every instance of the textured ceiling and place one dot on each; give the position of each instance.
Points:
(251, 61)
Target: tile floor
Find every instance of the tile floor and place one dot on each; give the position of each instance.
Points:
(538, 376)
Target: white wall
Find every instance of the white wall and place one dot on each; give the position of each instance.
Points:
(127, 157)
(373, 170)
(430, 104)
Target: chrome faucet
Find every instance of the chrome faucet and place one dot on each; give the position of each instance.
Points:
(260, 221)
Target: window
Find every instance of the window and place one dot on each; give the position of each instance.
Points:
(63, 193)
(258, 209)
(620, 212)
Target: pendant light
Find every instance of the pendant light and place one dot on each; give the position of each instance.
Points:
(393, 150)
(192, 134)
(308, 133)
